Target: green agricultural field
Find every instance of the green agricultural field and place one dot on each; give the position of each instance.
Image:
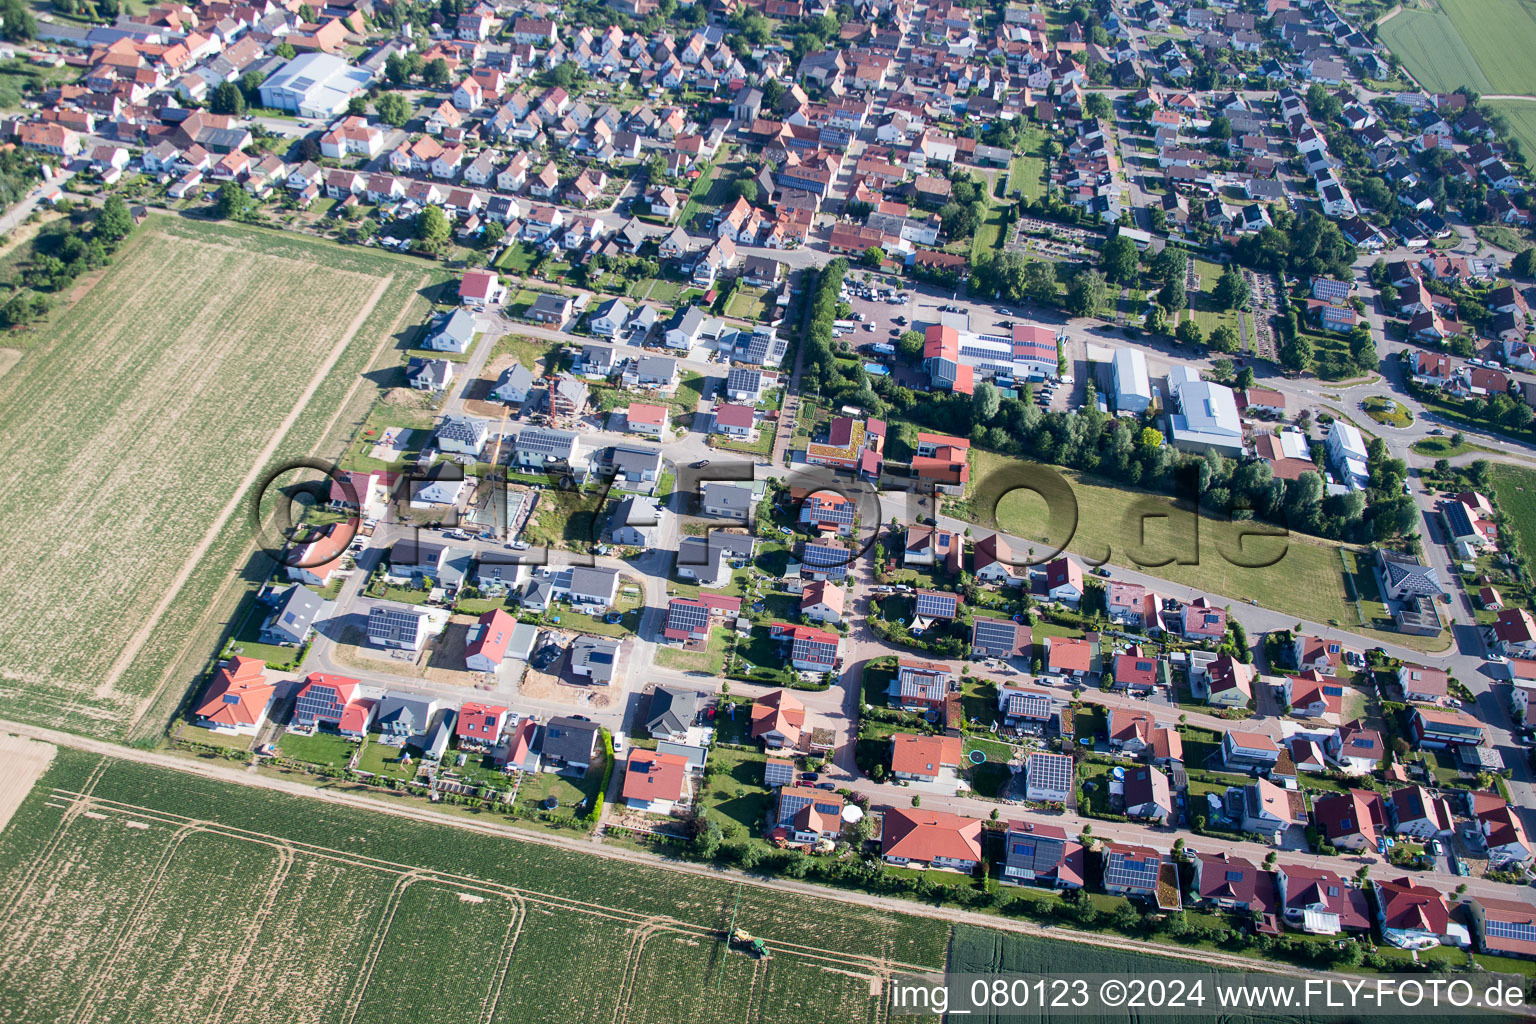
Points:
(142, 416)
(1521, 117)
(1514, 488)
(1432, 49)
(1305, 579)
(265, 907)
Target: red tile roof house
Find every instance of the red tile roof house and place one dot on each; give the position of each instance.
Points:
(1227, 682)
(1130, 731)
(777, 719)
(237, 699)
(1317, 901)
(1147, 796)
(479, 287)
(486, 643)
(1142, 873)
(1321, 656)
(1351, 821)
(314, 562)
(1504, 927)
(650, 420)
(1503, 833)
(655, 782)
(1312, 696)
(1136, 672)
(923, 758)
(1064, 581)
(920, 685)
(1421, 683)
(823, 601)
(993, 561)
(1224, 881)
(1042, 855)
(1415, 812)
(479, 726)
(1200, 621)
(811, 650)
(1413, 916)
(1515, 632)
(332, 700)
(734, 419)
(931, 839)
(1066, 656)
(807, 814)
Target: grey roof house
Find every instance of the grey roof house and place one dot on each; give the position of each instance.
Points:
(403, 719)
(671, 711)
(570, 744)
(453, 333)
(636, 522)
(293, 617)
(514, 384)
(595, 658)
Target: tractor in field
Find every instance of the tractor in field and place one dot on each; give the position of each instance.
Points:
(753, 947)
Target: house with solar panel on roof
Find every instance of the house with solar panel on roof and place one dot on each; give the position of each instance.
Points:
(929, 606)
(920, 685)
(810, 649)
(1048, 777)
(1039, 854)
(1032, 710)
(1140, 873)
(825, 560)
(827, 512)
(404, 627)
(1001, 638)
(334, 701)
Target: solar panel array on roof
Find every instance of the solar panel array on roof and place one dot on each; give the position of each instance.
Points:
(821, 510)
(692, 617)
(827, 560)
(1050, 771)
(1135, 872)
(1521, 930)
(1029, 705)
(994, 634)
(929, 605)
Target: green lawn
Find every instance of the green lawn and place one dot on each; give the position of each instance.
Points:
(736, 793)
(323, 748)
(1388, 411)
(1026, 174)
(534, 789)
(1441, 448)
(1304, 576)
(755, 304)
(711, 660)
(569, 519)
(383, 759)
(538, 354)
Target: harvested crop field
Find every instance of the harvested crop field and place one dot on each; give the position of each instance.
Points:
(134, 427)
(262, 906)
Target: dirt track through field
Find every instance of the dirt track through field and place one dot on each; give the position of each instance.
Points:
(22, 762)
(258, 466)
(237, 776)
